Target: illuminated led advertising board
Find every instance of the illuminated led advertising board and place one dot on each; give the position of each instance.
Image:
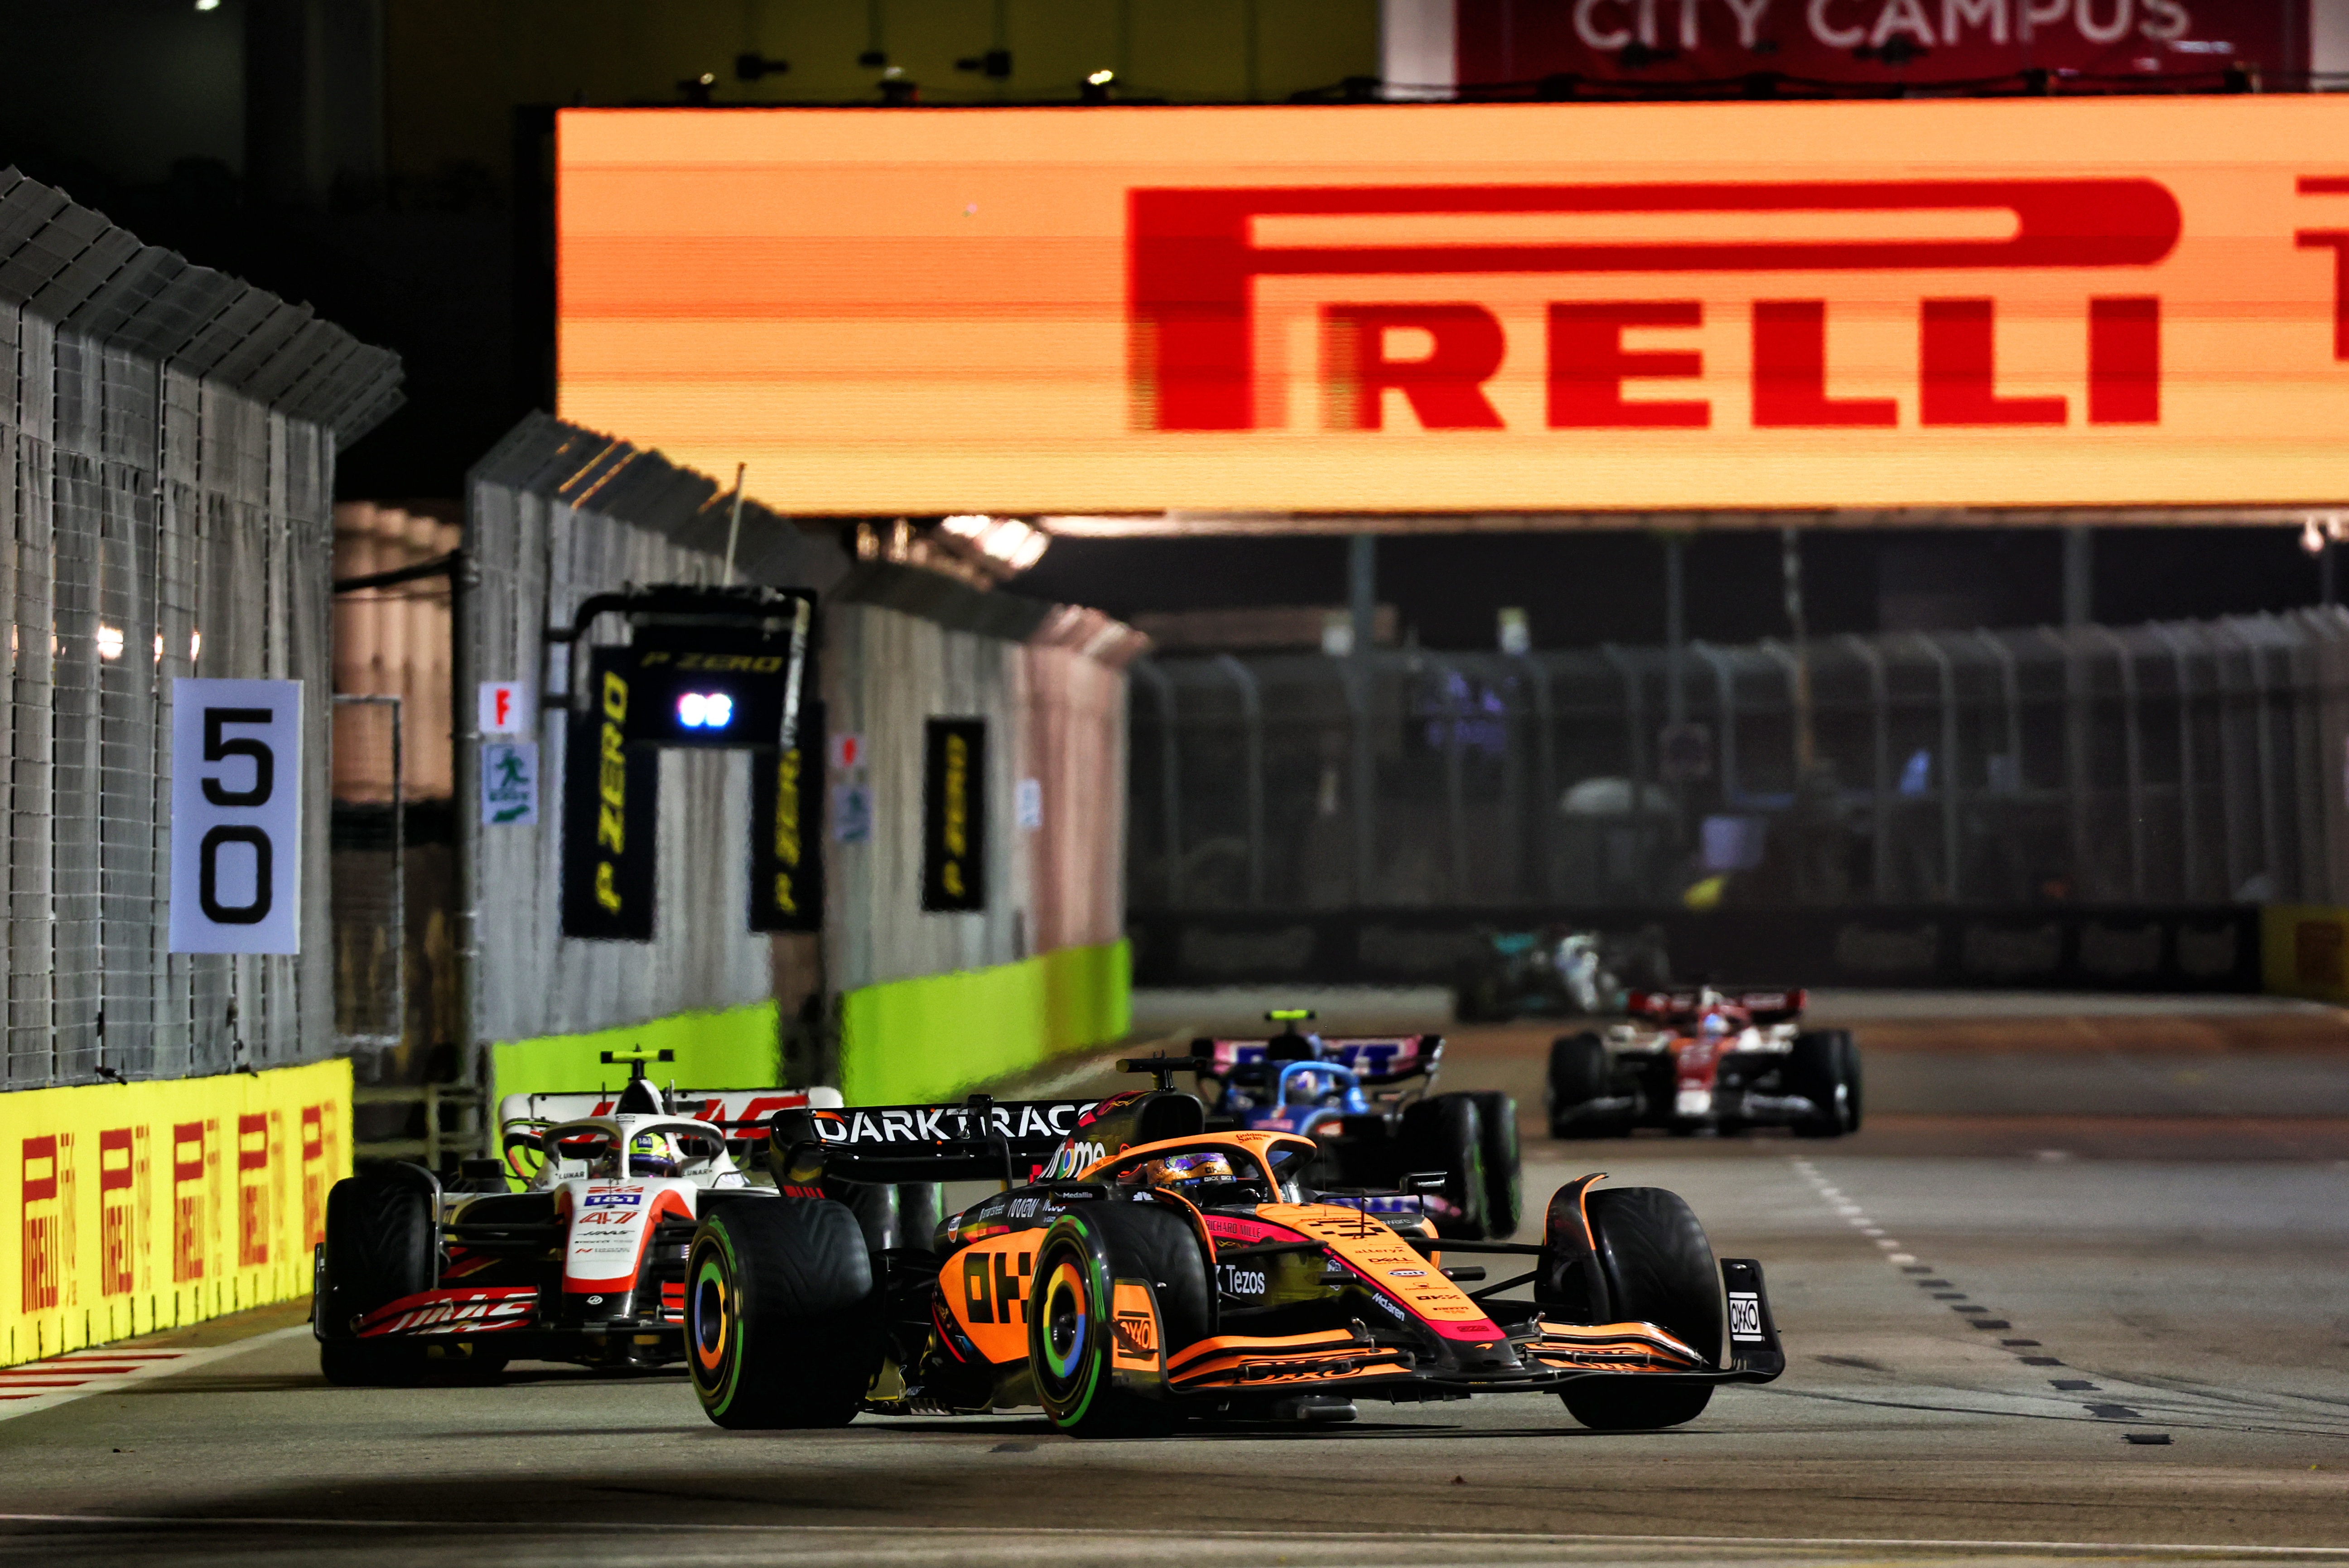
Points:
(1455, 308)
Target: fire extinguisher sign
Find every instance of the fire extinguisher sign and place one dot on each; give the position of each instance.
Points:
(236, 816)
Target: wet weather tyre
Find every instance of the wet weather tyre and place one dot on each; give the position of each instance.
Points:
(780, 1330)
(380, 1245)
(1659, 1269)
(1444, 1134)
(1071, 1313)
(1824, 1068)
(1581, 1073)
(1497, 1133)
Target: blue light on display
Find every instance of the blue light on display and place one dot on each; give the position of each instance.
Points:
(704, 710)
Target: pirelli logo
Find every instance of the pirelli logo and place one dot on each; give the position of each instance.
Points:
(1197, 257)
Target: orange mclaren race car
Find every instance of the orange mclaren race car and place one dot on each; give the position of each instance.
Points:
(1137, 1269)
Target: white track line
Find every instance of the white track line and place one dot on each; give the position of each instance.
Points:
(1333, 1538)
(124, 1369)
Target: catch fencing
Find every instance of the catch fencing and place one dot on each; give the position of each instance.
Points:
(2176, 764)
(169, 437)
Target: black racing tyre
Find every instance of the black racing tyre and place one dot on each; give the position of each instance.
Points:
(1072, 1311)
(780, 1330)
(875, 1209)
(381, 1240)
(1851, 1077)
(1824, 1067)
(1497, 1131)
(1443, 1133)
(1580, 1071)
(1659, 1269)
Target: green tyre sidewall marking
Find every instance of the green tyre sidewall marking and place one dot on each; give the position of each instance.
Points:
(719, 1400)
(1078, 1238)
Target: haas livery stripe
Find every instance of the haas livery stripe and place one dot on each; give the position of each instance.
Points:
(483, 1310)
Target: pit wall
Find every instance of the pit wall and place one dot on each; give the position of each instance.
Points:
(934, 1036)
(145, 1206)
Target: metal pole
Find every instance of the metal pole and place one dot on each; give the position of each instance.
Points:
(734, 526)
(1635, 762)
(2185, 814)
(1880, 704)
(2133, 759)
(1252, 732)
(2079, 578)
(1362, 589)
(1725, 682)
(1545, 769)
(1675, 629)
(1950, 845)
(1790, 569)
(464, 756)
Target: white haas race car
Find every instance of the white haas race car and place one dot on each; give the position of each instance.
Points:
(586, 1264)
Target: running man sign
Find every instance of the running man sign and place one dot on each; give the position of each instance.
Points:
(1459, 308)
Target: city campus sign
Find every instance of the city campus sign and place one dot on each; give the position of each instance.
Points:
(1456, 308)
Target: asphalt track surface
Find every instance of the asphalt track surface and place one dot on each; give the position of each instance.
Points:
(2120, 1331)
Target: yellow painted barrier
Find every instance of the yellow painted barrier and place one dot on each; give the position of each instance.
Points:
(144, 1206)
(2305, 951)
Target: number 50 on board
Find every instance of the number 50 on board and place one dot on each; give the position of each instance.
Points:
(236, 816)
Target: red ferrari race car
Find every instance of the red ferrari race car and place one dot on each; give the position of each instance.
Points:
(1704, 1060)
(1138, 1270)
(586, 1264)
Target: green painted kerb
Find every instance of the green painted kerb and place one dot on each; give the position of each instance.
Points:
(936, 1035)
(733, 1048)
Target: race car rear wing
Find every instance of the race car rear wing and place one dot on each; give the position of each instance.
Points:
(1778, 1005)
(978, 1140)
(740, 1114)
(1384, 1059)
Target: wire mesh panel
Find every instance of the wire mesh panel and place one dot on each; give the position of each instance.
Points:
(369, 859)
(164, 508)
(2166, 764)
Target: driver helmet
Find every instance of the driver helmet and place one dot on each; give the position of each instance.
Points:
(654, 1154)
(1715, 1024)
(1186, 1172)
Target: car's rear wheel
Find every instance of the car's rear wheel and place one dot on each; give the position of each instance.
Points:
(1444, 1134)
(381, 1237)
(1824, 1068)
(1581, 1073)
(1496, 1135)
(780, 1325)
(1659, 1269)
(1071, 1313)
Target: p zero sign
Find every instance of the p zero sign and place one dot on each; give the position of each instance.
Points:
(1450, 307)
(236, 816)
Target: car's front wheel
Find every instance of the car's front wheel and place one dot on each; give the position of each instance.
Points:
(1072, 1323)
(1659, 1268)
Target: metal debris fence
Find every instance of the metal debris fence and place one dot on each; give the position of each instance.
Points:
(169, 437)
(2171, 765)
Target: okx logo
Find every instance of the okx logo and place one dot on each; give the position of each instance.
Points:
(1199, 258)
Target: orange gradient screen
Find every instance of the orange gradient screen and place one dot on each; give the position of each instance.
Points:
(1442, 308)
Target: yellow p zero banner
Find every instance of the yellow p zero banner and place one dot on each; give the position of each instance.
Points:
(144, 1206)
(1443, 308)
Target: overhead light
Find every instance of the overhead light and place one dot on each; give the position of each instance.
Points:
(704, 710)
(158, 648)
(207, 5)
(195, 646)
(1101, 78)
(2312, 539)
(109, 641)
